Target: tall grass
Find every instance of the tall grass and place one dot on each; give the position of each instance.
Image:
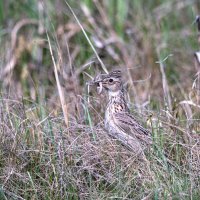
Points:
(52, 141)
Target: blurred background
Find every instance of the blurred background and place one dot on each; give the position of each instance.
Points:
(133, 36)
(52, 141)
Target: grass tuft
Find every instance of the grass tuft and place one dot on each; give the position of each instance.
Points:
(52, 139)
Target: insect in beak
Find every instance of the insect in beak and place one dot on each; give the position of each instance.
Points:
(99, 88)
(98, 84)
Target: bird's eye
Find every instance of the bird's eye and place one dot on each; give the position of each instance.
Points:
(110, 80)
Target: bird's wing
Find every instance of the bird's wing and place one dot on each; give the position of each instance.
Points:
(129, 124)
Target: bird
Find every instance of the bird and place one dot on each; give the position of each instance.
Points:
(119, 122)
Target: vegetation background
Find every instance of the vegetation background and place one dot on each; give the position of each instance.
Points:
(52, 141)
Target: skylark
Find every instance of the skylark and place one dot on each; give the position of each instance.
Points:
(118, 121)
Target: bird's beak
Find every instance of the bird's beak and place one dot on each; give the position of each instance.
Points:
(98, 82)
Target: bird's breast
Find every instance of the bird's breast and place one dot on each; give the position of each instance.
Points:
(109, 121)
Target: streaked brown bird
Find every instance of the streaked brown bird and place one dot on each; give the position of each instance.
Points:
(118, 121)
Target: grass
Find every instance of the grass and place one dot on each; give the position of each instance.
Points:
(52, 141)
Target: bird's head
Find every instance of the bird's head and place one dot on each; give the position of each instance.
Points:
(111, 82)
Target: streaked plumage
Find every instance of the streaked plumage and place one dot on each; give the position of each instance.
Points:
(118, 120)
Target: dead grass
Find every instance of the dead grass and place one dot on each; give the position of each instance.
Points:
(52, 141)
(42, 158)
